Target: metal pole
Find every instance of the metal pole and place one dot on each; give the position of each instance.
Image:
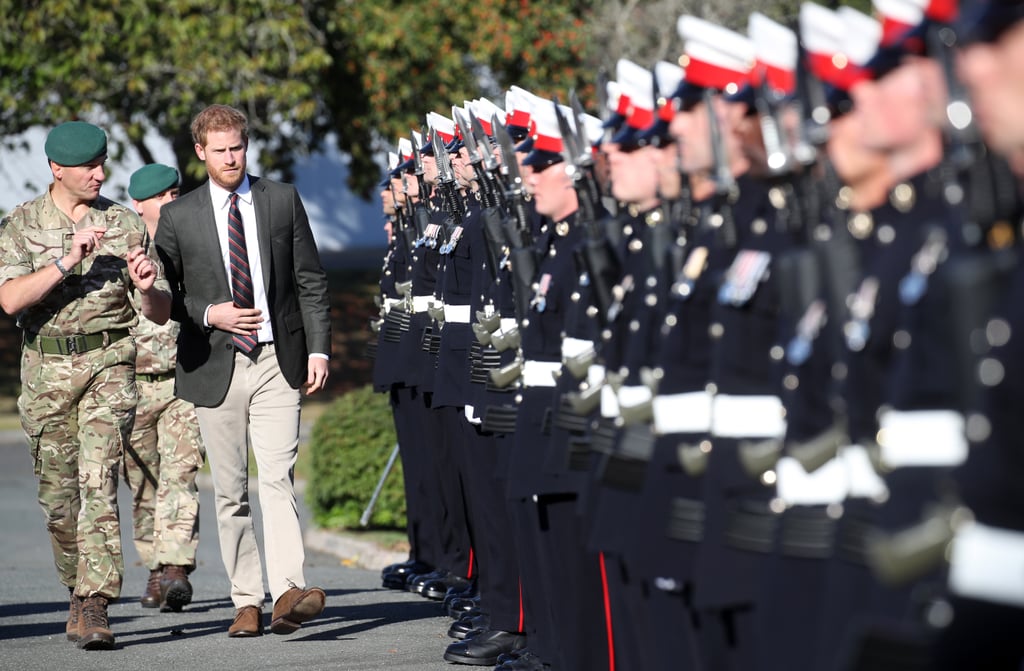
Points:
(365, 519)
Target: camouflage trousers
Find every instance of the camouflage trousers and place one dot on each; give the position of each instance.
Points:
(160, 467)
(77, 412)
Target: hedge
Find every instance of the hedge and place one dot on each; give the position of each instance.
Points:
(349, 447)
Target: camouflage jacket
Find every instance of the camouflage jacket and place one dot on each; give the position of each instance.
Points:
(97, 296)
(156, 346)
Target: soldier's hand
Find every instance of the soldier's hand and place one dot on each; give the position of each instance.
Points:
(228, 317)
(84, 243)
(316, 377)
(141, 269)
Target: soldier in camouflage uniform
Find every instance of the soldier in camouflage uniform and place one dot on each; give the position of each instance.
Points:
(166, 450)
(69, 261)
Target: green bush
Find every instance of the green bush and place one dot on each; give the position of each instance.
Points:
(349, 446)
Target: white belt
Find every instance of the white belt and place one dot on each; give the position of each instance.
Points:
(987, 563)
(456, 314)
(391, 302)
(863, 481)
(747, 417)
(540, 373)
(682, 413)
(609, 402)
(922, 438)
(827, 484)
(572, 347)
(631, 396)
(421, 303)
(507, 324)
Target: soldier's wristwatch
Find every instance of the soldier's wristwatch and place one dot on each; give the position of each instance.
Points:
(60, 266)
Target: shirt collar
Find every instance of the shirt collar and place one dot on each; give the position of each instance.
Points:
(220, 196)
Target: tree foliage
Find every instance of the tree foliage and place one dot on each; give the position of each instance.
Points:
(395, 61)
(142, 65)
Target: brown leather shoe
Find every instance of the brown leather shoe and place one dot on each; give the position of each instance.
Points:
(94, 630)
(248, 623)
(74, 616)
(295, 607)
(151, 597)
(175, 589)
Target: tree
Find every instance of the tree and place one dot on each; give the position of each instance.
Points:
(143, 65)
(395, 61)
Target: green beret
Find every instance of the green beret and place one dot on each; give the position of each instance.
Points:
(75, 143)
(152, 180)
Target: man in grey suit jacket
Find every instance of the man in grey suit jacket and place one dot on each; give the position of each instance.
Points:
(251, 297)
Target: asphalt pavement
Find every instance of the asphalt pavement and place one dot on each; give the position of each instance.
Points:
(363, 626)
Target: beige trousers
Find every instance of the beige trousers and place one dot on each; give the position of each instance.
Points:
(262, 409)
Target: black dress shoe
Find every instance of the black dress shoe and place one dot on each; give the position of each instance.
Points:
(454, 593)
(437, 589)
(460, 607)
(395, 575)
(484, 648)
(525, 662)
(463, 626)
(511, 656)
(415, 581)
(406, 567)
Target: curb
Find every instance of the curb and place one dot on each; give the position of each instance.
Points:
(351, 551)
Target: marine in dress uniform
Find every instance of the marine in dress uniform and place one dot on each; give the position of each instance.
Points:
(396, 373)
(986, 601)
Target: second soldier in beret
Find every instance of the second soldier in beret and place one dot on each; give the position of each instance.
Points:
(166, 450)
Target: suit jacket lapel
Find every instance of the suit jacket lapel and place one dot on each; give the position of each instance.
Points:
(207, 222)
(261, 203)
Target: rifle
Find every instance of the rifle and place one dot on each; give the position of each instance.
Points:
(490, 162)
(420, 218)
(514, 191)
(522, 256)
(596, 253)
(491, 216)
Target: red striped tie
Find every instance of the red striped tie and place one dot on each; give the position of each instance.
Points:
(241, 278)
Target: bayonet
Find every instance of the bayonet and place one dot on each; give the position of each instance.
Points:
(444, 165)
(467, 136)
(568, 140)
(586, 188)
(486, 155)
(723, 178)
(514, 190)
(584, 158)
(446, 179)
(815, 115)
(766, 102)
(476, 158)
(725, 183)
(602, 93)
